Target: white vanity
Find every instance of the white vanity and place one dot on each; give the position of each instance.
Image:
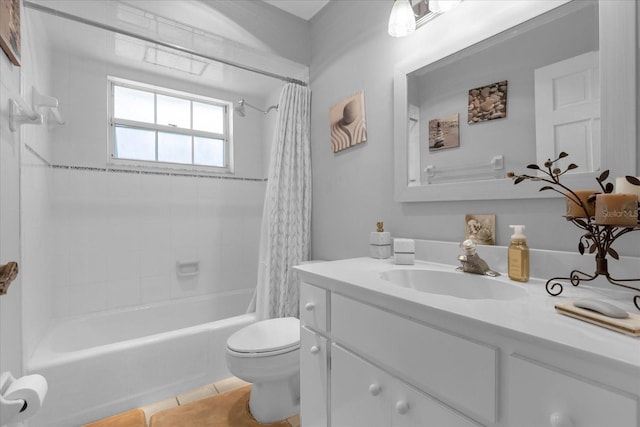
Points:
(377, 353)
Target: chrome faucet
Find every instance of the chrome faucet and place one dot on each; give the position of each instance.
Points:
(471, 261)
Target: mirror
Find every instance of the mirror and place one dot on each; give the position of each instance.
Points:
(464, 118)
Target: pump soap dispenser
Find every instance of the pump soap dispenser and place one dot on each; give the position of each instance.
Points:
(518, 255)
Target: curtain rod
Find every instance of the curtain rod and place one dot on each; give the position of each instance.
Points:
(85, 21)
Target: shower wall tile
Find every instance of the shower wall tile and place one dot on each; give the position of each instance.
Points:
(155, 288)
(80, 299)
(119, 235)
(123, 292)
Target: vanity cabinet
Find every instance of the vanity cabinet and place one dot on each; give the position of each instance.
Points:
(367, 362)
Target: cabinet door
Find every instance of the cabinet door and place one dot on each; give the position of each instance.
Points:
(359, 392)
(411, 408)
(313, 379)
(543, 396)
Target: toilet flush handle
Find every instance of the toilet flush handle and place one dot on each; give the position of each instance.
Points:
(309, 306)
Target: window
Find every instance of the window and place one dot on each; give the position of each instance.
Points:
(155, 126)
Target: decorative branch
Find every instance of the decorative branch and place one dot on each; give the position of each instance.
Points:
(597, 238)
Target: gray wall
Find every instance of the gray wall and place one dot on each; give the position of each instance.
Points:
(353, 189)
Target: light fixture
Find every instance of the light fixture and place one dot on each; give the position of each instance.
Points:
(442, 5)
(407, 15)
(402, 21)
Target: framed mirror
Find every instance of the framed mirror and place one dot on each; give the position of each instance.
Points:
(486, 102)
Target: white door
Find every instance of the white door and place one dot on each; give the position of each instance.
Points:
(567, 107)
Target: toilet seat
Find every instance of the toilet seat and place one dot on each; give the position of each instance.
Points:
(266, 338)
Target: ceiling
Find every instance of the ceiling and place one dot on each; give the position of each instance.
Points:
(70, 39)
(304, 9)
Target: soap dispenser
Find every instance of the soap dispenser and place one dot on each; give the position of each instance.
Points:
(518, 255)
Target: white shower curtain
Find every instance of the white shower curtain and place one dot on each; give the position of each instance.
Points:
(286, 219)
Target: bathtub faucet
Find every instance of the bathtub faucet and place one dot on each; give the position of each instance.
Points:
(471, 261)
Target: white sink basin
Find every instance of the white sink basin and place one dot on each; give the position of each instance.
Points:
(454, 283)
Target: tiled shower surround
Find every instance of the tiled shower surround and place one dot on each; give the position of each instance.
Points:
(118, 236)
(97, 239)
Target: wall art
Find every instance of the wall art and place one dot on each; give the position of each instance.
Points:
(443, 133)
(488, 103)
(481, 229)
(347, 122)
(10, 29)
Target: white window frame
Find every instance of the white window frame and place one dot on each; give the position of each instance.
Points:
(226, 136)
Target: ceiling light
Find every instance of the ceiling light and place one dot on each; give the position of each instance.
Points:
(402, 21)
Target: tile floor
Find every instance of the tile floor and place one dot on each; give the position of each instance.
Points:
(200, 393)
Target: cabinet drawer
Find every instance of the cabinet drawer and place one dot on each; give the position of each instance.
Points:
(457, 371)
(313, 307)
(543, 396)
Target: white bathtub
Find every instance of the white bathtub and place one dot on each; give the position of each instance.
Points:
(108, 362)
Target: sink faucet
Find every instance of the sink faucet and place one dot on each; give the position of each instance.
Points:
(471, 261)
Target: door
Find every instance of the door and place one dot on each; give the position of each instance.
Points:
(567, 108)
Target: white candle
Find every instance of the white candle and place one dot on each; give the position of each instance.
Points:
(625, 187)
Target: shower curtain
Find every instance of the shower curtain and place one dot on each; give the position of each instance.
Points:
(286, 219)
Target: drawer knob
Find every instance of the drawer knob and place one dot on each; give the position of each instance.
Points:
(314, 349)
(375, 389)
(558, 419)
(402, 407)
(309, 306)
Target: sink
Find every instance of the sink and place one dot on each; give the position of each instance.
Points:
(454, 283)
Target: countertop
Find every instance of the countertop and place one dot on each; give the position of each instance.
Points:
(532, 315)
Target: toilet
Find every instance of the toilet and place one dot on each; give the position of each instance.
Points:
(267, 354)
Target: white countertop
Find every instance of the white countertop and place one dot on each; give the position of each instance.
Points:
(533, 315)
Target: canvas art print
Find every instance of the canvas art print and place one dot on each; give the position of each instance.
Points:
(347, 121)
(10, 29)
(488, 103)
(443, 133)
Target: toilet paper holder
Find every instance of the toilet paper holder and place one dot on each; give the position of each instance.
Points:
(9, 408)
(21, 398)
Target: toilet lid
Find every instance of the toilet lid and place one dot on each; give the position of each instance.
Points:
(267, 336)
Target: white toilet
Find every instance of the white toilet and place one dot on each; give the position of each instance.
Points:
(267, 354)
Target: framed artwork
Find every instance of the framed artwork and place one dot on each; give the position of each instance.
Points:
(481, 229)
(488, 103)
(10, 29)
(443, 133)
(347, 122)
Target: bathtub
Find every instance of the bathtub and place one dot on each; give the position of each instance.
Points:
(108, 362)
